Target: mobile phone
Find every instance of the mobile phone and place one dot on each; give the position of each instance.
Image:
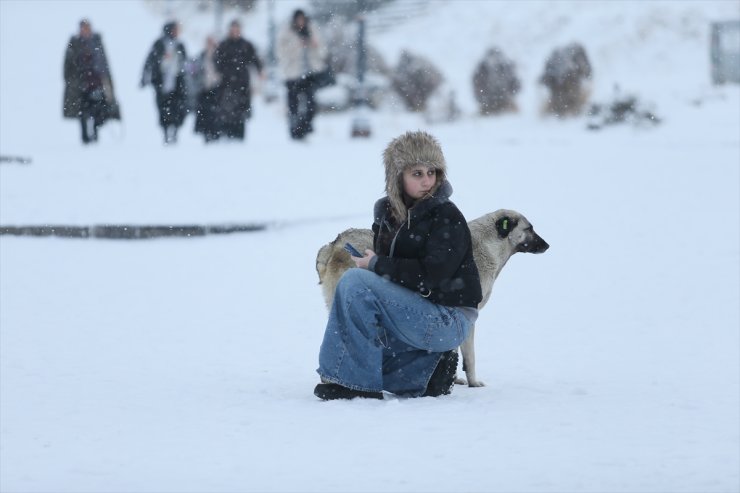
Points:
(352, 250)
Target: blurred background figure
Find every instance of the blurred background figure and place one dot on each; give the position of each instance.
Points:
(233, 58)
(302, 55)
(88, 88)
(207, 84)
(165, 70)
(567, 75)
(495, 83)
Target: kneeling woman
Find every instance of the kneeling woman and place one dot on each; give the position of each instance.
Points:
(398, 318)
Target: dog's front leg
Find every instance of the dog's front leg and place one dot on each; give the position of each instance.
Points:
(468, 354)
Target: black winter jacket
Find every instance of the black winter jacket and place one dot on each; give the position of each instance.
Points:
(152, 66)
(233, 58)
(431, 252)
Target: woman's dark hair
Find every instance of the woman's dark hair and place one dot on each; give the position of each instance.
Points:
(169, 29)
(303, 30)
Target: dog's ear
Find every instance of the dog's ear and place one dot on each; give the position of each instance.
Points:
(504, 226)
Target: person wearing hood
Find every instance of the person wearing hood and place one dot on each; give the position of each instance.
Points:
(88, 87)
(397, 320)
(233, 58)
(165, 70)
(302, 54)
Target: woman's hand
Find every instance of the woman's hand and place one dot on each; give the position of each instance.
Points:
(362, 262)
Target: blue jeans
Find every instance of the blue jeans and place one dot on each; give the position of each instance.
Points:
(383, 336)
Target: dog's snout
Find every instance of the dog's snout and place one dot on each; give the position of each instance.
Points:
(544, 246)
(539, 245)
(535, 244)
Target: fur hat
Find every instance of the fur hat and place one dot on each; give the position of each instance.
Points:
(408, 150)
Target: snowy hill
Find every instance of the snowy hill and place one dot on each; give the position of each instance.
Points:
(612, 361)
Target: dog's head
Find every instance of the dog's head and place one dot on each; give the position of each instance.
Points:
(513, 228)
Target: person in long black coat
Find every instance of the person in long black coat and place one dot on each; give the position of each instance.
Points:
(88, 87)
(233, 58)
(165, 70)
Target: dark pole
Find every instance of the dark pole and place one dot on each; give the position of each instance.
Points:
(271, 92)
(361, 53)
(361, 122)
(219, 13)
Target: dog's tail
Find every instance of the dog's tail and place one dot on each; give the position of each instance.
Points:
(322, 258)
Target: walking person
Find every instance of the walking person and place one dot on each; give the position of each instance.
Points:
(208, 80)
(234, 57)
(302, 54)
(397, 319)
(88, 87)
(165, 70)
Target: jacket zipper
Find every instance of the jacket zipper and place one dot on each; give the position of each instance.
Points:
(393, 243)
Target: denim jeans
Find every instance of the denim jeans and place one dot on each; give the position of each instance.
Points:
(383, 336)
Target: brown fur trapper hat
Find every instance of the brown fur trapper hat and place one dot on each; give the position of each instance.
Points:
(408, 150)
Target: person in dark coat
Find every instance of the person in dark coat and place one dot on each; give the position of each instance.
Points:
(234, 56)
(88, 87)
(165, 70)
(396, 321)
(207, 82)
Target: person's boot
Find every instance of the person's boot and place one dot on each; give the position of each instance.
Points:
(332, 391)
(443, 377)
(92, 131)
(294, 123)
(170, 134)
(85, 130)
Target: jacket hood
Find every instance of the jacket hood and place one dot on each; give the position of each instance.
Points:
(410, 149)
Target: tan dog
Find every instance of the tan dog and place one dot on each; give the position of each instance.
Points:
(496, 237)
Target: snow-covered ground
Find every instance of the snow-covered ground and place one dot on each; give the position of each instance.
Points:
(612, 361)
